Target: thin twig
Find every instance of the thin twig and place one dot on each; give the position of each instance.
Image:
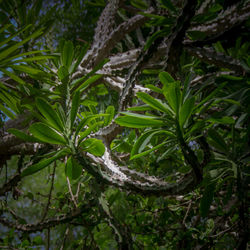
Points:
(71, 193)
(188, 209)
(64, 238)
(222, 232)
(50, 193)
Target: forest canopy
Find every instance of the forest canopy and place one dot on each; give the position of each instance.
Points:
(124, 124)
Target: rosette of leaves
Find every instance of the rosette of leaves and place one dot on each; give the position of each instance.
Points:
(60, 121)
(174, 118)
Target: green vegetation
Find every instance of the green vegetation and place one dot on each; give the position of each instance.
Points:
(124, 124)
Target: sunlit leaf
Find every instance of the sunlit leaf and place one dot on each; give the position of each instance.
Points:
(133, 120)
(46, 134)
(73, 169)
(154, 103)
(111, 112)
(43, 163)
(93, 146)
(50, 114)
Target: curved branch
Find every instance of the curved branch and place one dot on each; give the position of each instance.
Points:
(209, 55)
(108, 172)
(225, 21)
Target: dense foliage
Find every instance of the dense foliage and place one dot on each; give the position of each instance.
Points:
(124, 124)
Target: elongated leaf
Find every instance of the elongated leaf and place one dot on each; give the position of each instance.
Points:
(13, 76)
(7, 112)
(93, 146)
(63, 74)
(87, 121)
(75, 107)
(199, 107)
(148, 151)
(166, 78)
(50, 114)
(8, 51)
(154, 103)
(111, 112)
(186, 110)
(217, 141)
(85, 84)
(138, 121)
(83, 51)
(73, 169)
(145, 138)
(89, 130)
(9, 38)
(207, 199)
(68, 54)
(43, 163)
(46, 134)
(172, 95)
(140, 108)
(222, 120)
(168, 4)
(9, 101)
(152, 38)
(35, 58)
(154, 88)
(28, 70)
(22, 55)
(22, 135)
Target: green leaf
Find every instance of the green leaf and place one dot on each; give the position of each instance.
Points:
(83, 51)
(93, 146)
(46, 134)
(22, 135)
(166, 78)
(154, 88)
(168, 4)
(111, 112)
(89, 130)
(22, 55)
(6, 52)
(13, 76)
(145, 138)
(133, 120)
(154, 103)
(75, 107)
(73, 169)
(207, 199)
(148, 151)
(222, 120)
(68, 54)
(63, 74)
(140, 108)
(217, 141)
(199, 107)
(85, 84)
(9, 100)
(7, 112)
(172, 94)
(43, 163)
(186, 111)
(50, 114)
(87, 121)
(35, 58)
(140, 4)
(159, 33)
